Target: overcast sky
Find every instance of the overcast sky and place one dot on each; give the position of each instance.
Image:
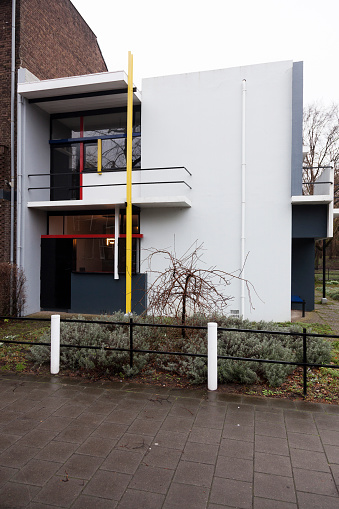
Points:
(179, 36)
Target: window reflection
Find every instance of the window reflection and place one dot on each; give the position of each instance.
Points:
(97, 254)
(98, 125)
(94, 255)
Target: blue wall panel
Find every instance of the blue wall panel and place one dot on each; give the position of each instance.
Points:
(102, 294)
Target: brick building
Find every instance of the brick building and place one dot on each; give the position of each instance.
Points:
(52, 40)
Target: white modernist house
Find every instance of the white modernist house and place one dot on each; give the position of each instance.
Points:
(217, 159)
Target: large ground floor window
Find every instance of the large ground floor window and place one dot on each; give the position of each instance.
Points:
(84, 244)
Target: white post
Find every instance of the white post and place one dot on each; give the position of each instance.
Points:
(212, 360)
(55, 344)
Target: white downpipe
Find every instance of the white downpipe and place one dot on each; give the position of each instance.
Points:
(212, 359)
(19, 181)
(12, 130)
(55, 344)
(243, 198)
(116, 243)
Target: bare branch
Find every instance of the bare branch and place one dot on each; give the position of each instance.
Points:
(185, 288)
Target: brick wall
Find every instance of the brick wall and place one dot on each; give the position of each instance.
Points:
(55, 40)
(5, 71)
(5, 123)
(52, 41)
(5, 206)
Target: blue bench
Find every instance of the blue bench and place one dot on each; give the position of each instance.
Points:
(298, 300)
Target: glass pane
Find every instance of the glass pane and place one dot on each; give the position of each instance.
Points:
(136, 152)
(90, 224)
(65, 172)
(110, 124)
(65, 128)
(113, 153)
(90, 156)
(122, 256)
(105, 124)
(56, 225)
(135, 223)
(94, 255)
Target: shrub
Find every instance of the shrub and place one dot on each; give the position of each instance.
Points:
(93, 334)
(12, 290)
(334, 294)
(231, 343)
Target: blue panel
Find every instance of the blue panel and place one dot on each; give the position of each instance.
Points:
(102, 294)
(303, 271)
(309, 221)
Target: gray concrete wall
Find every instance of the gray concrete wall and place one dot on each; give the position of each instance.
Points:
(297, 129)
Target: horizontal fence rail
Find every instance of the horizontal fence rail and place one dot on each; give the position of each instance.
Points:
(131, 325)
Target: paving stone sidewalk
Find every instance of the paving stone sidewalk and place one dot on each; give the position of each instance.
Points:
(99, 446)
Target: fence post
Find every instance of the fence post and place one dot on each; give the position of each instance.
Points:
(212, 359)
(55, 344)
(304, 361)
(131, 342)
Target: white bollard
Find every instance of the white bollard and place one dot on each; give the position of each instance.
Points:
(212, 360)
(55, 344)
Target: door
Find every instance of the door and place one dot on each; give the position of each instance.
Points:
(56, 270)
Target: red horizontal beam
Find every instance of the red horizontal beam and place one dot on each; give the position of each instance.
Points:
(91, 236)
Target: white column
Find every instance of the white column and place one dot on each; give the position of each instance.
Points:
(212, 360)
(55, 344)
(243, 199)
(116, 243)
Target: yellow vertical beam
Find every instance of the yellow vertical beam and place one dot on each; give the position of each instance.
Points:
(129, 185)
(99, 165)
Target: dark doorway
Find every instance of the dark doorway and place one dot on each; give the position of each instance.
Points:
(56, 270)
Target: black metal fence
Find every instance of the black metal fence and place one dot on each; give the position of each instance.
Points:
(131, 324)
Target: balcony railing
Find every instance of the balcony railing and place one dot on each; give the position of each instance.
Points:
(109, 186)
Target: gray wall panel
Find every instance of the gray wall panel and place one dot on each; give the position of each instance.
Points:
(297, 126)
(102, 294)
(303, 271)
(309, 221)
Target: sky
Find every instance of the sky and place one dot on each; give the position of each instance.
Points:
(180, 36)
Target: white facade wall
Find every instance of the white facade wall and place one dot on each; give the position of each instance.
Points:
(194, 120)
(35, 159)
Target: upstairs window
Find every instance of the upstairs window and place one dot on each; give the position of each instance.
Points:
(74, 147)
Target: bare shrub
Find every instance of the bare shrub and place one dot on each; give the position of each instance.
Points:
(187, 287)
(12, 290)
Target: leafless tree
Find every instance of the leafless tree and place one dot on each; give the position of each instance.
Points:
(185, 287)
(321, 137)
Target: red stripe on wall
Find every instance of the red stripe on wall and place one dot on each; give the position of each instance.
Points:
(91, 236)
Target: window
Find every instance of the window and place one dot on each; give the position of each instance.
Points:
(94, 240)
(74, 147)
(93, 255)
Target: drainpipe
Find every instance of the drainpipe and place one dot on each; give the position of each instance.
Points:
(19, 180)
(243, 198)
(12, 130)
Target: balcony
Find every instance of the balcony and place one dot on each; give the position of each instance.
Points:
(323, 190)
(151, 187)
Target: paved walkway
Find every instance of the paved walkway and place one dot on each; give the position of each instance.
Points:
(100, 446)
